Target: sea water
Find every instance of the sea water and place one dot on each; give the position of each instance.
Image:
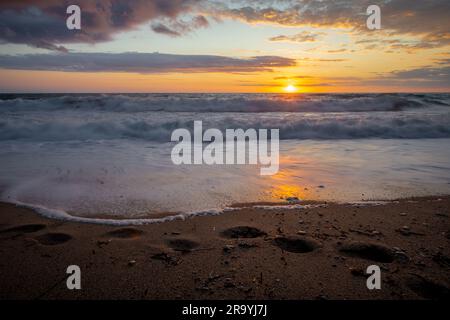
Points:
(84, 156)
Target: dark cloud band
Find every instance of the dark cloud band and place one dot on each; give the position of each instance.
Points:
(141, 62)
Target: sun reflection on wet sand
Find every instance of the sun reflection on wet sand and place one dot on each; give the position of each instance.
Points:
(290, 180)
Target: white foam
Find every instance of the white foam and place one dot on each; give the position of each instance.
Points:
(288, 206)
(64, 216)
(366, 203)
(59, 214)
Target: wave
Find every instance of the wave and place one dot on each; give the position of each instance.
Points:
(58, 214)
(413, 126)
(64, 216)
(247, 103)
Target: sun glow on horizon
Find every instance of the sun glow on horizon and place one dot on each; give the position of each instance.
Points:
(290, 88)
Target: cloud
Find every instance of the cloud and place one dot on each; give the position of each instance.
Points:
(43, 23)
(141, 62)
(323, 60)
(294, 77)
(179, 27)
(304, 36)
(429, 73)
(337, 50)
(426, 20)
(422, 77)
(161, 28)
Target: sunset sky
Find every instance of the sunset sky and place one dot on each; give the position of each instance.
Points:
(225, 46)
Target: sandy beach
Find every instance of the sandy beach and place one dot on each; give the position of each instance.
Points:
(317, 252)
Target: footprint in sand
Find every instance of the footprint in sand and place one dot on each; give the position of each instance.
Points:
(428, 289)
(183, 245)
(368, 251)
(125, 233)
(243, 232)
(52, 239)
(296, 244)
(26, 228)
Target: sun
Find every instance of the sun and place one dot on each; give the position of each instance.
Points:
(290, 88)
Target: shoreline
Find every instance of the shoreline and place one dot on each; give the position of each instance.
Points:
(163, 217)
(245, 253)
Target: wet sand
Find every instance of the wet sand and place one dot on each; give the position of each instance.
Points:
(251, 253)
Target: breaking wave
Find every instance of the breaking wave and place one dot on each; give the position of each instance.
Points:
(247, 103)
(414, 126)
(153, 117)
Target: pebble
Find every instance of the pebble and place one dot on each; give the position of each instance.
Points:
(293, 199)
(227, 248)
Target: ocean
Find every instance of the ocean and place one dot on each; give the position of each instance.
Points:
(106, 157)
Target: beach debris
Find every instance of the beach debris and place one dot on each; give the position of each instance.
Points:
(131, 263)
(301, 232)
(406, 231)
(202, 288)
(228, 283)
(212, 277)
(245, 289)
(301, 221)
(163, 256)
(400, 255)
(101, 243)
(247, 245)
(403, 214)
(441, 259)
(369, 233)
(321, 186)
(30, 242)
(293, 199)
(228, 248)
